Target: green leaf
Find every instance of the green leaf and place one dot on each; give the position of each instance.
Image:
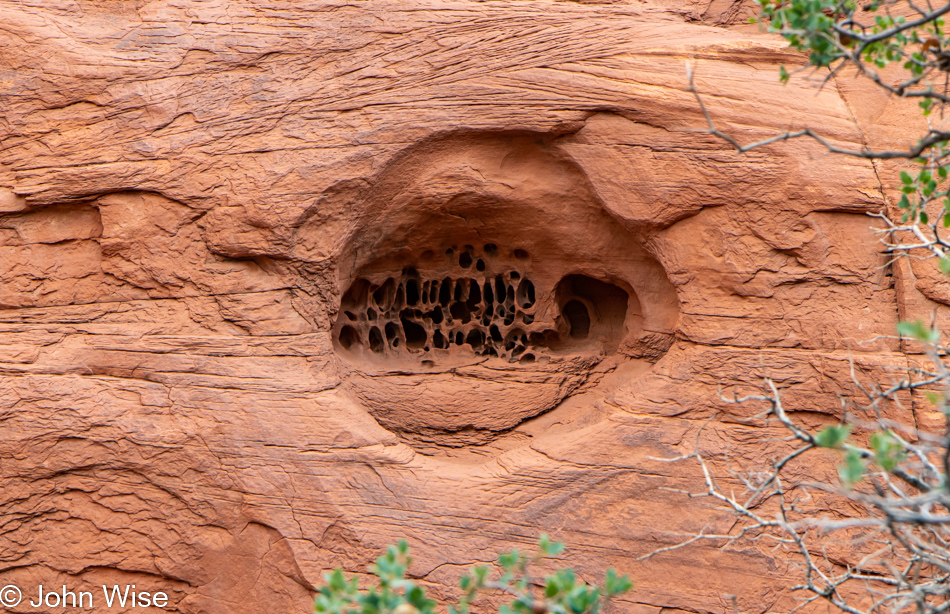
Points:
(481, 575)
(906, 178)
(782, 74)
(549, 548)
(917, 330)
(852, 469)
(887, 451)
(616, 585)
(944, 263)
(336, 580)
(544, 542)
(833, 436)
(509, 559)
(923, 217)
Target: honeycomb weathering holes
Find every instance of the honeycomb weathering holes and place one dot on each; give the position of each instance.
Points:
(477, 303)
(484, 283)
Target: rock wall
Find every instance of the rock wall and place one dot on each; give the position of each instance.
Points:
(283, 282)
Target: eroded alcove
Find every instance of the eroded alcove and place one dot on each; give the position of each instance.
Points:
(475, 301)
(484, 285)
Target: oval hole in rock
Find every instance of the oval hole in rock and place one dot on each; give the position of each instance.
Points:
(605, 308)
(383, 296)
(416, 336)
(526, 293)
(349, 337)
(376, 342)
(412, 292)
(520, 254)
(465, 260)
(476, 339)
(474, 295)
(392, 332)
(445, 292)
(578, 318)
(495, 333)
(356, 296)
(460, 311)
(499, 288)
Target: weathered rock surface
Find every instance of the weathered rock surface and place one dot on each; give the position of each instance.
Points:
(263, 299)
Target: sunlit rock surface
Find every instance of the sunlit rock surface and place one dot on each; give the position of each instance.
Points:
(284, 282)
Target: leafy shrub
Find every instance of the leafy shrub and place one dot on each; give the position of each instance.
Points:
(560, 593)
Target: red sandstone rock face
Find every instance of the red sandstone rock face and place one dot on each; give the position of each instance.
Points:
(208, 208)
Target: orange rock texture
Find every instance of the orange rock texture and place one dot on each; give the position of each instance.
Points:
(282, 282)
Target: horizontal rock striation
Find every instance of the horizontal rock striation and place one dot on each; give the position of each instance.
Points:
(240, 243)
